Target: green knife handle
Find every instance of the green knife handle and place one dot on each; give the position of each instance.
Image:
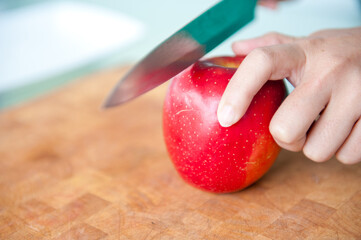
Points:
(209, 29)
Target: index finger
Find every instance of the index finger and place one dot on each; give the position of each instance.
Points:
(262, 64)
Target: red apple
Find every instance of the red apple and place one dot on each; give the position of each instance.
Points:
(205, 154)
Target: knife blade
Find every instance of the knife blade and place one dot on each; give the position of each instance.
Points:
(183, 48)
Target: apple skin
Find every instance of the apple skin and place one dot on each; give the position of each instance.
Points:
(205, 154)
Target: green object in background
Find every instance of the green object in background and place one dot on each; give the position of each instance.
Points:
(226, 10)
(209, 31)
(183, 48)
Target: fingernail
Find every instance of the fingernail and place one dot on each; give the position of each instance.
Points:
(226, 116)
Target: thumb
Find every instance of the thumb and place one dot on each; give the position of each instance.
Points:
(244, 47)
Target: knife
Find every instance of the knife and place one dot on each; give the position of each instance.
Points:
(183, 48)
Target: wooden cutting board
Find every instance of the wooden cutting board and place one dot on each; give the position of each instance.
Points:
(69, 170)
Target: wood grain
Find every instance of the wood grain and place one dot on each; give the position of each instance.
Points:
(69, 170)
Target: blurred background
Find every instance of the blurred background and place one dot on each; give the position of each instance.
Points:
(45, 44)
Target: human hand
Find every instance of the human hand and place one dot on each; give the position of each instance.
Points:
(322, 114)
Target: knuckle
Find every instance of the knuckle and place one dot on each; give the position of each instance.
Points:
(356, 95)
(262, 55)
(348, 159)
(353, 89)
(351, 155)
(320, 33)
(277, 38)
(316, 85)
(339, 62)
(315, 154)
(295, 147)
(331, 55)
(282, 135)
(312, 42)
(273, 34)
